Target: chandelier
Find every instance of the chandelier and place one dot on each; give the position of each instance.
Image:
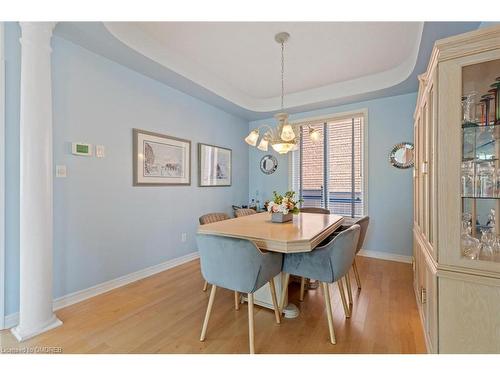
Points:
(285, 136)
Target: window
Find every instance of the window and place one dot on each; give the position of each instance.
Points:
(330, 173)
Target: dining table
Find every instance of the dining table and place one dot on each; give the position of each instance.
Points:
(302, 234)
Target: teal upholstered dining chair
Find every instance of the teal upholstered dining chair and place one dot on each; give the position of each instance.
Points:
(310, 210)
(238, 265)
(363, 223)
(327, 264)
(214, 217)
(244, 212)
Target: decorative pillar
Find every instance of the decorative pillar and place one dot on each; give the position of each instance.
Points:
(36, 214)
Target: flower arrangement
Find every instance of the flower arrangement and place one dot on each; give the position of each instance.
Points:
(284, 204)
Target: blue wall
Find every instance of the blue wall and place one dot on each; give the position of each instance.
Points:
(103, 226)
(390, 190)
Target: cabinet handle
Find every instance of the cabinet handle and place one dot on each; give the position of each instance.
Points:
(424, 167)
(423, 296)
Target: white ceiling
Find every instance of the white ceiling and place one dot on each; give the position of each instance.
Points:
(240, 62)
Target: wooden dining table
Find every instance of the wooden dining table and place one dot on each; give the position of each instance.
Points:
(302, 234)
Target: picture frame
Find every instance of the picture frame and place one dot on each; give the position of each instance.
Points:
(214, 166)
(160, 160)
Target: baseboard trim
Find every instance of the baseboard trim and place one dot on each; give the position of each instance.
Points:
(13, 319)
(385, 256)
(23, 335)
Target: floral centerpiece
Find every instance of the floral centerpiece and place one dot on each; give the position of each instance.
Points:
(283, 207)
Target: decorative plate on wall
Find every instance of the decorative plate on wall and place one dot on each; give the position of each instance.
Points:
(268, 164)
(402, 155)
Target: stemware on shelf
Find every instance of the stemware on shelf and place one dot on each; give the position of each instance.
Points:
(488, 244)
(480, 169)
(468, 109)
(486, 181)
(495, 90)
(468, 179)
(486, 109)
(470, 246)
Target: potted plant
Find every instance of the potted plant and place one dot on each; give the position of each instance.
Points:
(283, 207)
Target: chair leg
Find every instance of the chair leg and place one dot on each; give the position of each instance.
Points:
(236, 300)
(340, 284)
(275, 301)
(250, 323)
(205, 286)
(302, 287)
(348, 286)
(285, 291)
(356, 273)
(207, 315)
(328, 306)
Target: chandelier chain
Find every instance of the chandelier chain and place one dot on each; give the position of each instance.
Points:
(282, 73)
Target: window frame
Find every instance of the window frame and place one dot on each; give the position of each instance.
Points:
(363, 112)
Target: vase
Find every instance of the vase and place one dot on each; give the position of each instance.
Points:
(279, 217)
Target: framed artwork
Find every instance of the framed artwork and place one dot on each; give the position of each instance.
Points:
(214, 165)
(160, 159)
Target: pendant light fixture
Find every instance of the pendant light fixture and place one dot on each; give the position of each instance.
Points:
(285, 136)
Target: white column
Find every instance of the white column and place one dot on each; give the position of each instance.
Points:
(36, 217)
(2, 178)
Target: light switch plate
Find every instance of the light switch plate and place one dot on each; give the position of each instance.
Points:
(61, 171)
(100, 151)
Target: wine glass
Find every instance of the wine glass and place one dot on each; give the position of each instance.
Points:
(487, 242)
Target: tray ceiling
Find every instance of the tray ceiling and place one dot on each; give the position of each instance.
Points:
(236, 65)
(240, 61)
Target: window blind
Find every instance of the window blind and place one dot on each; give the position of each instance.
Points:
(329, 174)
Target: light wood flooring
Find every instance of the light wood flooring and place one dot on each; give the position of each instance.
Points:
(164, 314)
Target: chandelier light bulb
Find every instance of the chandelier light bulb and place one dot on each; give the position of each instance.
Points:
(287, 133)
(264, 144)
(314, 135)
(252, 138)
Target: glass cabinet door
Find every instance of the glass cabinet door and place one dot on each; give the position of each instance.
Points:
(480, 168)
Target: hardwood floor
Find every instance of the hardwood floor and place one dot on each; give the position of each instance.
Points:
(164, 314)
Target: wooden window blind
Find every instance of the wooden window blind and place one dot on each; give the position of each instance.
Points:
(329, 174)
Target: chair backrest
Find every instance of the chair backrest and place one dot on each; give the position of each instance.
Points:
(341, 250)
(231, 263)
(213, 217)
(244, 212)
(315, 210)
(363, 223)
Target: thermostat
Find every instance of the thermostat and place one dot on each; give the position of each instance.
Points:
(83, 149)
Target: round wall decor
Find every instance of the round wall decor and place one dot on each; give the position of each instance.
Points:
(402, 155)
(268, 164)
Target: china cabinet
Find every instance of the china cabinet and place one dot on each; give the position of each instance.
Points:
(457, 194)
